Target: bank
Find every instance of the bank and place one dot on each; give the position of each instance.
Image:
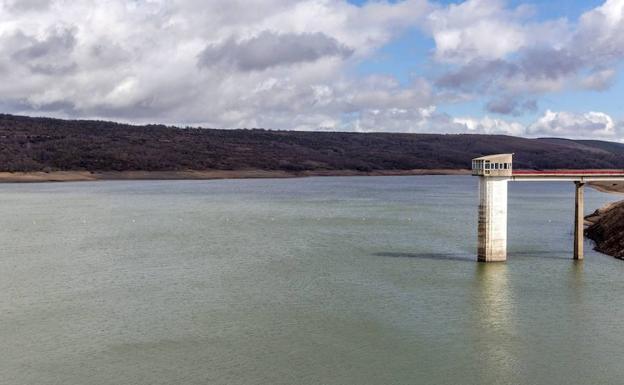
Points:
(605, 226)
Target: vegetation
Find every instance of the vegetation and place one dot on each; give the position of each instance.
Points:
(44, 144)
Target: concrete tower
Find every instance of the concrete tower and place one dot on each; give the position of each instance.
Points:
(494, 172)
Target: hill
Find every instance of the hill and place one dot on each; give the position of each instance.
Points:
(44, 144)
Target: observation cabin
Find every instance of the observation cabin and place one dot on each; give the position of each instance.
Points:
(493, 165)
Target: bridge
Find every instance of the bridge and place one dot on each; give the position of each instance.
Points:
(494, 172)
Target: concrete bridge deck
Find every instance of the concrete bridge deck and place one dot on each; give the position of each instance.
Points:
(582, 176)
(495, 171)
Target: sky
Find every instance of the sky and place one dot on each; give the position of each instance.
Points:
(528, 68)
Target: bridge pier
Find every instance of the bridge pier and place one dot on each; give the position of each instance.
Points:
(494, 171)
(492, 229)
(579, 220)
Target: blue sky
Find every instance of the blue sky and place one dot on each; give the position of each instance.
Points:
(408, 56)
(529, 68)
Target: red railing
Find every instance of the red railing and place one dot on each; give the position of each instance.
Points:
(568, 172)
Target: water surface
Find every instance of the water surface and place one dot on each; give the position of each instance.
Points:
(360, 280)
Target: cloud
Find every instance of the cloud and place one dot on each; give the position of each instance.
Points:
(50, 55)
(511, 106)
(488, 125)
(535, 71)
(374, 103)
(28, 5)
(600, 35)
(599, 80)
(592, 125)
(278, 64)
(486, 30)
(477, 75)
(294, 64)
(270, 49)
(493, 50)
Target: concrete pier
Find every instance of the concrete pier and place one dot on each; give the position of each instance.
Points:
(579, 219)
(492, 219)
(494, 171)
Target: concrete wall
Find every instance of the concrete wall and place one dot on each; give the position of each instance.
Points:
(492, 229)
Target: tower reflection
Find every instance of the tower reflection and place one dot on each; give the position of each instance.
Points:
(496, 329)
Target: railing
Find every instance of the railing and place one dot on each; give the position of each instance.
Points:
(568, 172)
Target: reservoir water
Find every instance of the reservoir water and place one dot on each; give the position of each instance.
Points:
(361, 280)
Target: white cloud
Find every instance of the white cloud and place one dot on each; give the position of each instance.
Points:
(494, 50)
(289, 64)
(227, 63)
(488, 125)
(393, 120)
(487, 30)
(590, 125)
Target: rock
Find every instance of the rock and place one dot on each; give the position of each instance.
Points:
(606, 228)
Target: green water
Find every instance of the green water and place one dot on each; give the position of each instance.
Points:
(307, 281)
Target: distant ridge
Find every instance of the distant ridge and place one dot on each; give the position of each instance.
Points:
(45, 144)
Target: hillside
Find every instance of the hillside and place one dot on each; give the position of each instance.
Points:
(44, 144)
(606, 228)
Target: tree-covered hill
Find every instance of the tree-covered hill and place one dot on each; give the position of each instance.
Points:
(36, 144)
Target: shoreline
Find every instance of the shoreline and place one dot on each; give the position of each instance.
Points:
(608, 187)
(87, 176)
(605, 225)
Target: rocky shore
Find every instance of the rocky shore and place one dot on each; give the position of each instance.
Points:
(606, 228)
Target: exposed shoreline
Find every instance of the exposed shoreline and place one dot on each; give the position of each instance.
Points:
(86, 176)
(608, 187)
(605, 226)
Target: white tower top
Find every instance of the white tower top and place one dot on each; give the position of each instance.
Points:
(493, 165)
